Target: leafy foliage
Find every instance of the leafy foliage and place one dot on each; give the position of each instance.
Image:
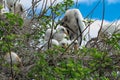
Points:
(7, 34)
(101, 61)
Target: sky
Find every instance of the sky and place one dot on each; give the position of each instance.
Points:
(112, 12)
(112, 7)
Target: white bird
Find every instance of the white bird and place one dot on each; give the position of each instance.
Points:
(64, 43)
(3, 10)
(15, 6)
(76, 45)
(48, 34)
(115, 28)
(10, 4)
(61, 33)
(1, 1)
(53, 43)
(15, 59)
(73, 21)
(19, 9)
(2, 4)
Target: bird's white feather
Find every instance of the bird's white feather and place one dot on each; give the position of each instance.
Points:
(73, 21)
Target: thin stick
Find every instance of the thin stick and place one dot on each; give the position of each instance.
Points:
(103, 15)
(93, 9)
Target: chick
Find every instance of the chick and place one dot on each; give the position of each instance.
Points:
(48, 34)
(64, 43)
(73, 22)
(76, 45)
(60, 34)
(15, 59)
(53, 43)
(15, 7)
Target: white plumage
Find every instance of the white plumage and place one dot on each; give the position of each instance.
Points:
(53, 43)
(64, 43)
(3, 10)
(15, 6)
(15, 58)
(48, 34)
(73, 21)
(76, 45)
(19, 8)
(115, 28)
(1, 1)
(61, 33)
(57, 36)
(10, 4)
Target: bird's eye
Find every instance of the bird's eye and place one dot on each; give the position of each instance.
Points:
(68, 31)
(65, 18)
(21, 8)
(6, 24)
(10, 9)
(62, 30)
(14, 4)
(11, 5)
(63, 45)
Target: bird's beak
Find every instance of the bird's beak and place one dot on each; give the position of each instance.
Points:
(64, 46)
(84, 21)
(65, 31)
(63, 21)
(75, 47)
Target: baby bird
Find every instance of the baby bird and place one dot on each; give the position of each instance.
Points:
(73, 22)
(64, 43)
(53, 43)
(15, 59)
(10, 4)
(61, 33)
(73, 45)
(76, 45)
(3, 11)
(48, 34)
(15, 7)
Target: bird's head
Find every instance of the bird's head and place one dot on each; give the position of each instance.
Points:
(73, 22)
(63, 30)
(64, 43)
(16, 60)
(76, 45)
(15, 6)
(18, 8)
(69, 21)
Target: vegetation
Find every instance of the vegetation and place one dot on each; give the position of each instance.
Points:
(98, 60)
